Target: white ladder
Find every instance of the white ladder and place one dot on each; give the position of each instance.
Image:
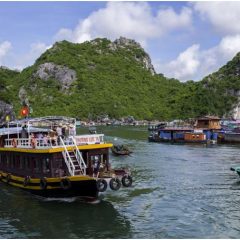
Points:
(73, 159)
(78, 157)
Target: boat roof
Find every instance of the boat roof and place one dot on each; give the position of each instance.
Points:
(48, 119)
(16, 130)
(176, 129)
(208, 117)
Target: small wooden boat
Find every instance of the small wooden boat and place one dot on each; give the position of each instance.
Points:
(121, 150)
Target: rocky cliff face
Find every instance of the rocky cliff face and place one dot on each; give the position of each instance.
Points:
(224, 86)
(143, 58)
(63, 75)
(6, 110)
(130, 45)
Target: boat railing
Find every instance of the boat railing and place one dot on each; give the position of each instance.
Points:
(89, 139)
(36, 143)
(54, 142)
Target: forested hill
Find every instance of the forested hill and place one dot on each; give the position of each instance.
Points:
(115, 78)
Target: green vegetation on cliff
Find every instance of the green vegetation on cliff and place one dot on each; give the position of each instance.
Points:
(114, 78)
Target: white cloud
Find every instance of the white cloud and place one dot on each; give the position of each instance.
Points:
(129, 19)
(194, 63)
(184, 66)
(4, 49)
(223, 15)
(36, 49)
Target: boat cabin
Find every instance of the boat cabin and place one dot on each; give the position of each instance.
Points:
(31, 148)
(208, 122)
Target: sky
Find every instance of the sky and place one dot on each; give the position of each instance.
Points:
(185, 40)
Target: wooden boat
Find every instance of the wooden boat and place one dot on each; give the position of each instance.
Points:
(36, 159)
(120, 150)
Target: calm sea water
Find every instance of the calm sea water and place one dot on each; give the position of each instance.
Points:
(179, 191)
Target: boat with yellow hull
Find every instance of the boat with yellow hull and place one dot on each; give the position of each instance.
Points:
(34, 159)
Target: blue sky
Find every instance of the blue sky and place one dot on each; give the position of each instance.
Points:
(185, 40)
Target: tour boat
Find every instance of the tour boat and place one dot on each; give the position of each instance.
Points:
(44, 156)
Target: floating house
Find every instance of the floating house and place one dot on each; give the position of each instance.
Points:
(208, 123)
(206, 130)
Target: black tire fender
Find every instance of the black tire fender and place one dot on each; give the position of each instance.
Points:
(127, 181)
(65, 183)
(43, 183)
(101, 185)
(115, 184)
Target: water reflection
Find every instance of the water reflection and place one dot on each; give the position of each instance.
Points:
(26, 216)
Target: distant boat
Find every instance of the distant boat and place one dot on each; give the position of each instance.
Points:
(232, 137)
(236, 169)
(92, 130)
(121, 150)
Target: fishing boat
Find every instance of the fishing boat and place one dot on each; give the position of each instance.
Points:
(44, 156)
(120, 150)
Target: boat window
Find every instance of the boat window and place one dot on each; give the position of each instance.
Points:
(17, 161)
(28, 163)
(46, 165)
(22, 162)
(13, 162)
(36, 165)
(8, 161)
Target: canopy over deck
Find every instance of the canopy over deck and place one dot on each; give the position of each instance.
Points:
(45, 121)
(17, 130)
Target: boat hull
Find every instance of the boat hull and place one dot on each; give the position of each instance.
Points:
(232, 137)
(56, 187)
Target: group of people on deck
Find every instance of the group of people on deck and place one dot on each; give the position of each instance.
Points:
(50, 138)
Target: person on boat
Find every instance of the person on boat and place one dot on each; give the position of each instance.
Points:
(24, 132)
(53, 136)
(72, 130)
(33, 140)
(60, 172)
(96, 167)
(118, 148)
(46, 140)
(59, 133)
(40, 136)
(64, 131)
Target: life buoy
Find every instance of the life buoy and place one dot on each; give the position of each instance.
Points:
(8, 178)
(65, 183)
(14, 142)
(127, 181)
(33, 142)
(101, 185)
(26, 181)
(115, 184)
(43, 183)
